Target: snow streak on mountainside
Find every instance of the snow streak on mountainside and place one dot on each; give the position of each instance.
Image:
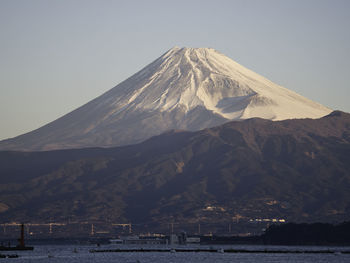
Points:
(186, 88)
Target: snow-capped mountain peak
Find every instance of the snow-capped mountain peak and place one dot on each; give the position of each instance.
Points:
(185, 78)
(185, 88)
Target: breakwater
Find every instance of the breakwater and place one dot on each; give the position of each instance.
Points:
(211, 250)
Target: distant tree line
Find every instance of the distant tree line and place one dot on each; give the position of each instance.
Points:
(308, 234)
(292, 234)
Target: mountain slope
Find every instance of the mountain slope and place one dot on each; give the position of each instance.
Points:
(186, 88)
(292, 169)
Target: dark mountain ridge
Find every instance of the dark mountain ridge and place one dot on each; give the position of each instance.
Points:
(298, 170)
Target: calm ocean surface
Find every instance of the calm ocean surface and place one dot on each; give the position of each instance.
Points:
(80, 253)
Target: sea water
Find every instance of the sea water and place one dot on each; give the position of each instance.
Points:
(81, 253)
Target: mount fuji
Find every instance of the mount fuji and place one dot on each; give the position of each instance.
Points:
(186, 88)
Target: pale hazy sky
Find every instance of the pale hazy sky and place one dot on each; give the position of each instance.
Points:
(57, 55)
